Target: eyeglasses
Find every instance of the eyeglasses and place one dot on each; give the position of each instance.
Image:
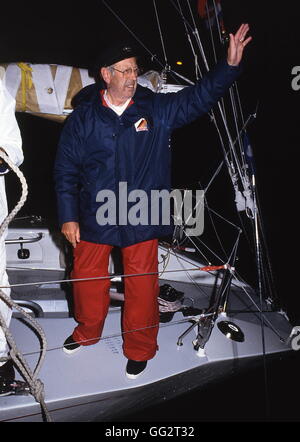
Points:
(129, 71)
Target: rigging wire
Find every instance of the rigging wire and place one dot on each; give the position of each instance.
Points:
(238, 132)
(235, 85)
(117, 275)
(225, 123)
(260, 292)
(198, 73)
(241, 169)
(219, 105)
(256, 217)
(153, 56)
(167, 66)
(217, 19)
(196, 34)
(210, 31)
(38, 388)
(242, 172)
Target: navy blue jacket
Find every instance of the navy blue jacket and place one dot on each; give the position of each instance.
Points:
(98, 150)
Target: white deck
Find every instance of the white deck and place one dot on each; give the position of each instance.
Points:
(91, 384)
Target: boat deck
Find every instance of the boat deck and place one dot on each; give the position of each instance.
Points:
(91, 384)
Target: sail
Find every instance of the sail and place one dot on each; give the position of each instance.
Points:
(46, 90)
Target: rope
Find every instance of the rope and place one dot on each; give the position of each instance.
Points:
(169, 299)
(24, 194)
(35, 385)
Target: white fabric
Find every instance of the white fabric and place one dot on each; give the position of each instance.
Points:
(10, 141)
(51, 93)
(61, 83)
(45, 89)
(86, 80)
(12, 79)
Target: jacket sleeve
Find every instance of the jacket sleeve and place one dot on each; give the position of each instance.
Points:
(10, 137)
(183, 107)
(67, 170)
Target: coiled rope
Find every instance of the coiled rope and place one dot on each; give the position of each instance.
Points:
(36, 386)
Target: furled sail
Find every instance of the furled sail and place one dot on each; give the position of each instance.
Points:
(46, 90)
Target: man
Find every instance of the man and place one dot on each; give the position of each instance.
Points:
(11, 144)
(119, 137)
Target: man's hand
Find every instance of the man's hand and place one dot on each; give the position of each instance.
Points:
(71, 231)
(237, 45)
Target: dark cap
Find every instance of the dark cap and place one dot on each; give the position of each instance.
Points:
(115, 53)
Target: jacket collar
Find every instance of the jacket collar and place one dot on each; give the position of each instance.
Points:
(102, 92)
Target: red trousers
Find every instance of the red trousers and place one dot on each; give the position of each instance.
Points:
(91, 298)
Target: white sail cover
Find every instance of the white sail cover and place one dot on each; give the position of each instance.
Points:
(47, 90)
(44, 89)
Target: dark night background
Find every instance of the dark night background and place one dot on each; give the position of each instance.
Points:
(72, 33)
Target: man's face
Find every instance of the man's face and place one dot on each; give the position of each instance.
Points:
(122, 81)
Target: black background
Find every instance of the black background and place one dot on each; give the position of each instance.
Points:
(73, 33)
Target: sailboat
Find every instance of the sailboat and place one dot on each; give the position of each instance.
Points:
(214, 322)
